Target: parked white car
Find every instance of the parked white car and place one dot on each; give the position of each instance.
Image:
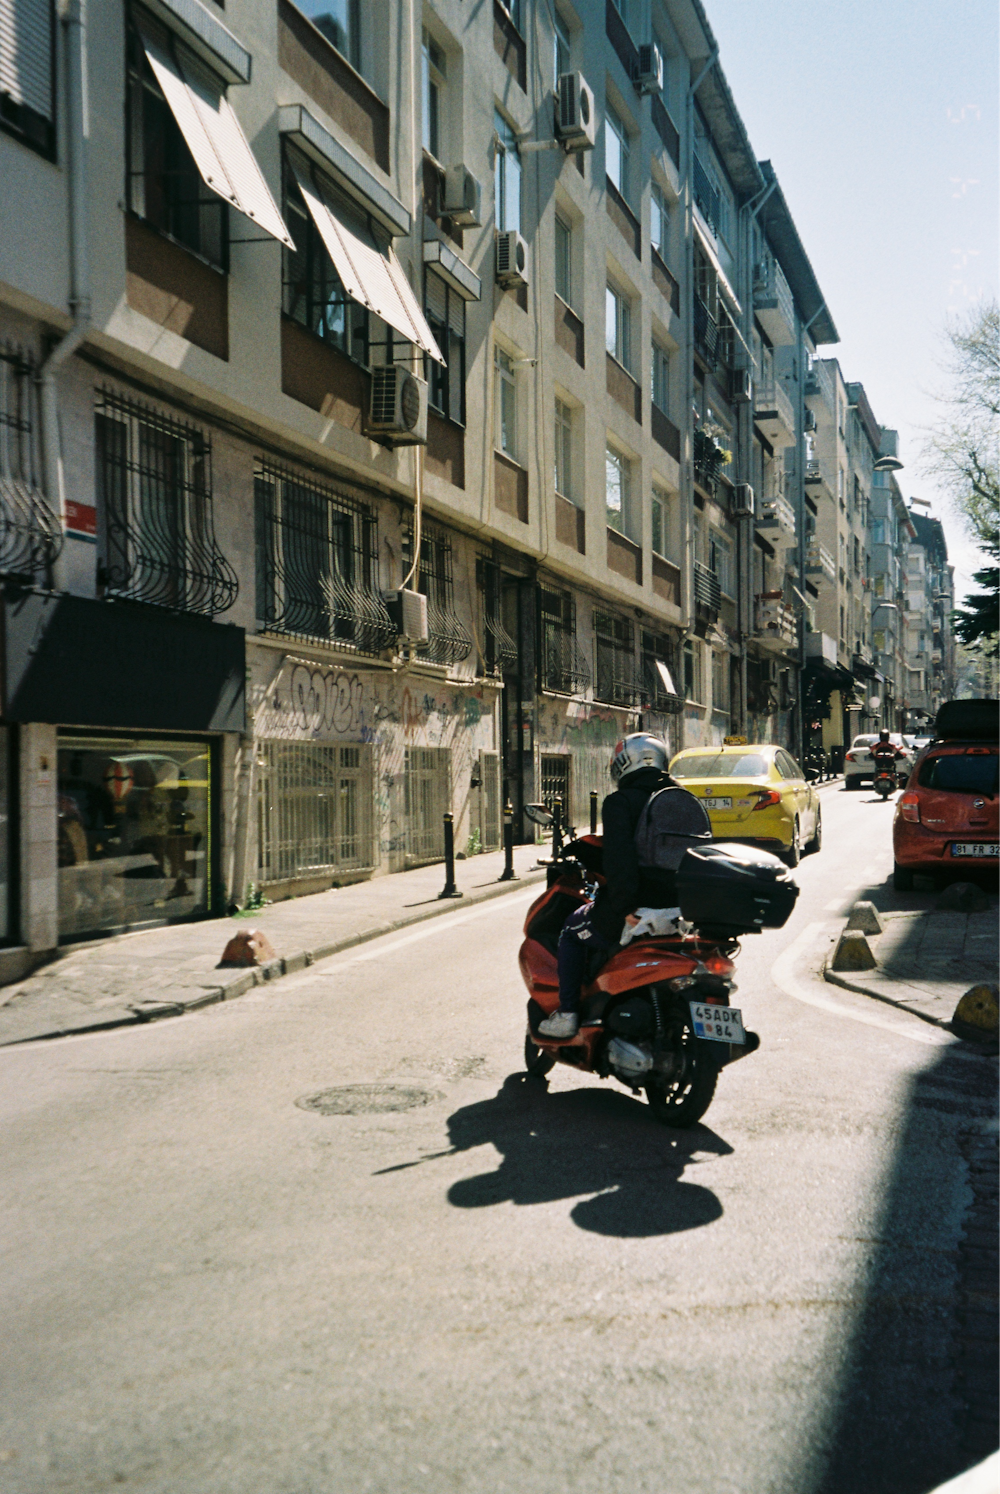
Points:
(859, 764)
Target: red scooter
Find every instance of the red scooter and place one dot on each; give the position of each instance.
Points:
(657, 1015)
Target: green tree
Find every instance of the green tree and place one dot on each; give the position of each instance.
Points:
(977, 624)
(961, 447)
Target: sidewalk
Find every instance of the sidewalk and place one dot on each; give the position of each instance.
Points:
(165, 972)
(927, 961)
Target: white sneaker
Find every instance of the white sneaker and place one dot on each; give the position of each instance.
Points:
(560, 1025)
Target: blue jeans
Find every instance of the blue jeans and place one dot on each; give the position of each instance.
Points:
(579, 945)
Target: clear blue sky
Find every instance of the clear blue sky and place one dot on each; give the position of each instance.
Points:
(880, 118)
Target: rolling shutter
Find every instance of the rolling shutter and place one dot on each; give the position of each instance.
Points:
(26, 53)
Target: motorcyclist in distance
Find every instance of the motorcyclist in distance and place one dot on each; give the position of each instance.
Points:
(885, 754)
(639, 769)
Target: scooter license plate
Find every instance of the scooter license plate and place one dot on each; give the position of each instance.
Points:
(723, 1024)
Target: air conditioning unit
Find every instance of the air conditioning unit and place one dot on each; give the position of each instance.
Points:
(512, 259)
(576, 117)
(408, 613)
(741, 500)
(398, 413)
(809, 423)
(741, 386)
(463, 197)
(648, 76)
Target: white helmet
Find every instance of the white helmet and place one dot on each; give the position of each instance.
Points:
(640, 750)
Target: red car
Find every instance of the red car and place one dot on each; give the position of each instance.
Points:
(946, 820)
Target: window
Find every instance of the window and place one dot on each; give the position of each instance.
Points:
(720, 682)
(163, 184)
(660, 377)
(564, 260)
(513, 9)
(26, 72)
(499, 648)
(617, 325)
(561, 665)
(317, 563)
(314, 809)
(616, 679)
(446, 381)
(427, 797)
(433, 72)
(507, 176)
(692, 670)
(661, 523)
(504, 405)
(340, 23)
(659, 671)
(720, 561)
(658, 221)
(622, 7)
(313, 294)
(31, 533)
(564, 449)
(618, 478)
(616, 150)
(154, 486)
(561, 60)
(449, 640)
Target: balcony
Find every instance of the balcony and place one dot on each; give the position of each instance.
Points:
(817, 476)
(819, 385)
(775, 624)
(706, 331)
(707, 592)
(773, 302)
(819, 561)
(821, 648)
(776, 522)
(773, 413)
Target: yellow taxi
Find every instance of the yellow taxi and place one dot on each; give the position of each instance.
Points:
(756, 793)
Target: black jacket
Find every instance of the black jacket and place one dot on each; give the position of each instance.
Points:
(627, 887)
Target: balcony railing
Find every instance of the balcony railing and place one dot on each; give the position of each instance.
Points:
(773, 411)
(706, 331)
(773, 302)
(707, 591)
(819, 561)
(31, 534)
(819, 385)
(776, 521)
(775, 624)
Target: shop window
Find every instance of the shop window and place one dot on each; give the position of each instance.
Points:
(314, 810)
(31, 533)
(445, 310)
(317, 567)
(562, 667)
(134, 832)
(615, 679)
(156, 533)
(164, 186)
(449, 639)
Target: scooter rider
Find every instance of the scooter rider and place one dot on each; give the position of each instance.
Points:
(639, 769)
(885, 754)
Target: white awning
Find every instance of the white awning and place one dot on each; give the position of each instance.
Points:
(214, 135)
(370, 275)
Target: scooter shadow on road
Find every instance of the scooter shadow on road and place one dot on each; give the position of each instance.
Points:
(586, 1141)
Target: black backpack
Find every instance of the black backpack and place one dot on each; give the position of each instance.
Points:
(671, 821)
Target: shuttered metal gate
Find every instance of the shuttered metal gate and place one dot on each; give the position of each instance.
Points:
(314, 809)
(428, 796)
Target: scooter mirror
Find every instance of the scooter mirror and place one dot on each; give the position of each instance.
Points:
(538, 815)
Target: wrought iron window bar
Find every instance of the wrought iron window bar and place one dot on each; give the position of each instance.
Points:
(499, 648)
(31, 534)
(450, 642)
(155, 492)
(657, 648)
(317, 563)
(561, 665)
(616, 679)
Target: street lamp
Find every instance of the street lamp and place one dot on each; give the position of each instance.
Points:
(887, 464)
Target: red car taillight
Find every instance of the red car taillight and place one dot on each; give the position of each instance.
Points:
(849, 757)
(909, 808)
(765, 798)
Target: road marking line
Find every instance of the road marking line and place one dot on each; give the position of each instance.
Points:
(782, 974)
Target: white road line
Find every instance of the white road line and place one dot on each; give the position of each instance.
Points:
(783, 974)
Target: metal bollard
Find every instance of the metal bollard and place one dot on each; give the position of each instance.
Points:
(557, 826)
(593, 811)
(508, 874)
(450, 890)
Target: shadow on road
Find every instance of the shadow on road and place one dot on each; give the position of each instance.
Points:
(586, 1141)
(917, 1401)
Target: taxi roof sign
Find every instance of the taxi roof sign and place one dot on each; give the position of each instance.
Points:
(734, 741)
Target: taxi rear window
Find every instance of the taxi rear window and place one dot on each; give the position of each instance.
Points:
(721, 765)
(974, 773)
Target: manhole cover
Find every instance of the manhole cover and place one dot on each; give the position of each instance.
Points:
(367, 1099)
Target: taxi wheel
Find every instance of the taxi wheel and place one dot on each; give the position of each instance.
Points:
(793, 855)
(817, 839)
(902, 878)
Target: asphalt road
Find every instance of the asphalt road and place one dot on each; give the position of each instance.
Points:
(209, 1289)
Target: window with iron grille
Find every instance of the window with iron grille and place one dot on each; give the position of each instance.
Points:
(615, 679)
(317, 563)
(427, 784)
(490, 805)
(561, 665)
(445, 310)
(555, 771)
(659, 672)
(499, 648)
(31, 534)
(314, 809)
(154, 486)
(164, 186)
(449, 639)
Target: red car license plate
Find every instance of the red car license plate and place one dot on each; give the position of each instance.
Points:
(979, 849)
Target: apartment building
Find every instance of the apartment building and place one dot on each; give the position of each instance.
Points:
(929, 599)
(318, 325)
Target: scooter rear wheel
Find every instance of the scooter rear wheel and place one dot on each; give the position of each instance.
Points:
(683, 1102)
(538, 1061)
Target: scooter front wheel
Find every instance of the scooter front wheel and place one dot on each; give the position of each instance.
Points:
(538, 1061)
(683, 1102)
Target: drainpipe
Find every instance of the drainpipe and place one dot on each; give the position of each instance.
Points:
(800, 519)
(79, 297)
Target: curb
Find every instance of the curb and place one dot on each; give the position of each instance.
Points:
(834, 978)
(141, 1012)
